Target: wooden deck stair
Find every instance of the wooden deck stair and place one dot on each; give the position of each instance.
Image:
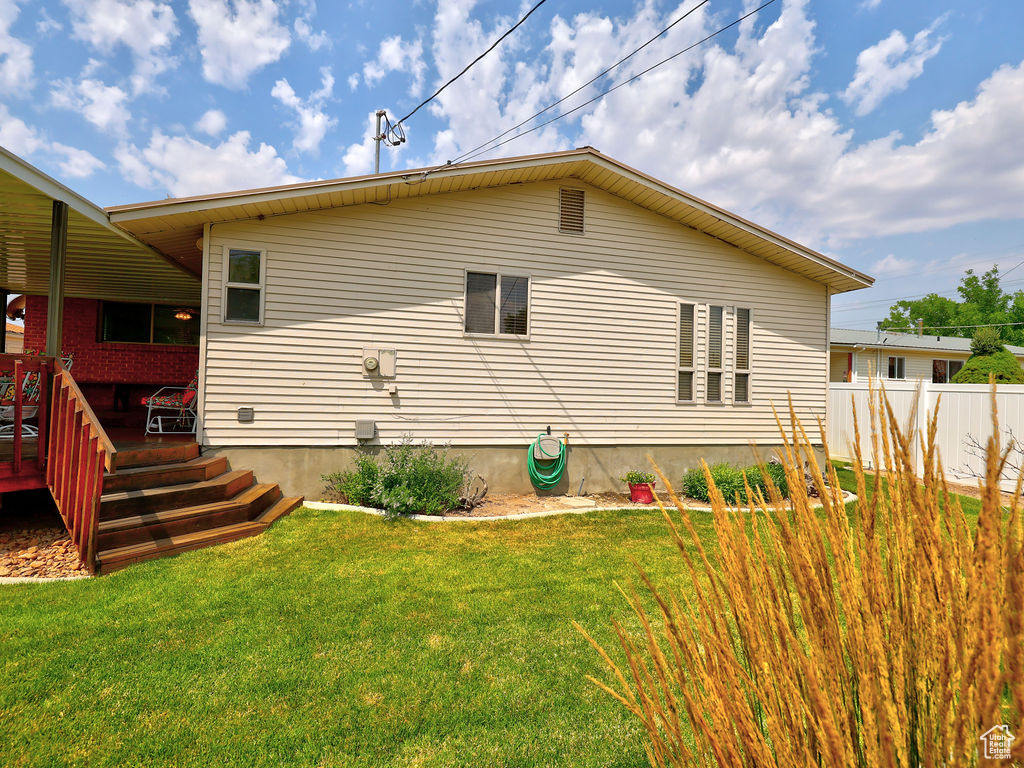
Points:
(168, 499)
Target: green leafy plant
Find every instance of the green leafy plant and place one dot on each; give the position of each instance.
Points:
(730, 481)
(636, 477)
(986, 341)
(403, 479)
(1002, 365)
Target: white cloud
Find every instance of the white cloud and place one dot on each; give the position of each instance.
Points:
(15, 55)
(47, 25)
(311, 121)
(893, 266)
(397, 55)
(870, 4)
(147, 28)
(77, 163)
(213, 122)
(237, 38)
(888, 67)
(183, 166)
(736, 123)
(353, 81)
(24, 140)
(17, 136)
(314, 40)
(102, 105)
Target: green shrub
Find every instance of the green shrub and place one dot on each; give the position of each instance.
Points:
(1002, 364)
(403, 479)
(986, 341)
(729, 480)
(636, 477)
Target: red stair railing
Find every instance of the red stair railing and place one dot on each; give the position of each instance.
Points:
(79, 452)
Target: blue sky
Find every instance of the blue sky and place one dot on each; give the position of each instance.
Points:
(883, 132)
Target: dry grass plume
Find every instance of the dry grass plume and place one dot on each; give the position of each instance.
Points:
(890, 637)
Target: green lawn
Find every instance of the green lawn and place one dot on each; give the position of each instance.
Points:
(336, 639)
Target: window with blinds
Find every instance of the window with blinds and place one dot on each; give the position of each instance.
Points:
(497, 304)
(741, 375)
(686, 352)
(570, 210)
(715, 353)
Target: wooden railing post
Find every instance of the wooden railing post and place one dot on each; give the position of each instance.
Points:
(17, 416)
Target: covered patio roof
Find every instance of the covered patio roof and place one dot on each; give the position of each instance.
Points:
(102, 261)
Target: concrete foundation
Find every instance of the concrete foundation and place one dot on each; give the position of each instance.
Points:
(299, 470)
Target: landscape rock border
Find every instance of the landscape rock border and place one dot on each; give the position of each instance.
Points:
(332, 506)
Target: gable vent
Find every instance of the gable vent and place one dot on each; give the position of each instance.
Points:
(570, 210)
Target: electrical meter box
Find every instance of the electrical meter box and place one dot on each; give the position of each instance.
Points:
(547, 448)
(380, 362)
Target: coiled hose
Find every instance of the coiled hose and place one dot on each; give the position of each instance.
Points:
(546, 477)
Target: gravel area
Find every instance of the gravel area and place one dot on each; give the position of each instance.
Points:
(33, 540)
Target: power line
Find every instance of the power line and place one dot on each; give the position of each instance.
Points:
(949, 327)
(474, 61)
(893, 299)
(590, 82)
(601, 95)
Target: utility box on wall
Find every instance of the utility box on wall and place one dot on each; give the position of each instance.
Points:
(380, 362)
(366, 429)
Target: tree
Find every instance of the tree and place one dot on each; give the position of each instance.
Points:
(989, 358)
(982, 301)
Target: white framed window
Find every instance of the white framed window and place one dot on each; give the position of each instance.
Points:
(943, 371)
(713, 392)
(897, 367)
(497, 304)
(741, 361)
(686, 389)
(245, 276)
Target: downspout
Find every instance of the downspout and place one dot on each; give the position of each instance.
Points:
(203, 325)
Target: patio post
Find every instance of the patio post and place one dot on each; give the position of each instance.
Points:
(3, 339)
(58, 258)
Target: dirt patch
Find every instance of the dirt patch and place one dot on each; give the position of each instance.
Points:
(500, 504)
(33, 539)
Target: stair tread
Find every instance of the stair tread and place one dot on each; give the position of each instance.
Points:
(198, 461)
(250, 494)
(133, 551)
(222, 479)
(279, 509)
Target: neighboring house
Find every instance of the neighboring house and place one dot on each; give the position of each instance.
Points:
(15, 341)
(858, 355)
(500, 298)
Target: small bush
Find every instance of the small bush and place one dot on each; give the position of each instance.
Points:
(1002, 365)
(986, 341)
(637, 477)
(729, 480)
(403, 479)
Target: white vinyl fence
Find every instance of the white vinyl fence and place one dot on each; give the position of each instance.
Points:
(965, 412)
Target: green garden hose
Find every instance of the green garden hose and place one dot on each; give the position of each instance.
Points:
(547, 476)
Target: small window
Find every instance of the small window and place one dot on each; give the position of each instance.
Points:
(686, 328)
(741, 376)
(137, 323)
(897, 367)
(943, 371)
(243, 289)
(715, 319)
(570, 211)
(497, 304)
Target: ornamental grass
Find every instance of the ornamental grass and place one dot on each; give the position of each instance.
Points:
(889, 633)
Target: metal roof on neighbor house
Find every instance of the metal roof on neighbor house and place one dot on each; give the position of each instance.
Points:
(173, 226)
(103, 261)
(845, 337)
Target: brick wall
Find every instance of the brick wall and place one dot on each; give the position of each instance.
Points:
(108, 361)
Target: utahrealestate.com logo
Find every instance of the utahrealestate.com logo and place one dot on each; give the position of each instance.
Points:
(998, 741)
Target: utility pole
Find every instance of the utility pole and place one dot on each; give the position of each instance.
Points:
(378, 138)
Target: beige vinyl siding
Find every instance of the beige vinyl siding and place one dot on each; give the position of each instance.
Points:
(600, 361)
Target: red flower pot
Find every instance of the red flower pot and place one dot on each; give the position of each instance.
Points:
(641, 493)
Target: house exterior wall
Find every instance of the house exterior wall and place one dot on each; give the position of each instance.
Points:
(872, 362)
(600, 361)
(107, 362)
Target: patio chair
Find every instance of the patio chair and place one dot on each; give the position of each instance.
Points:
(29, 401)
(174, 407)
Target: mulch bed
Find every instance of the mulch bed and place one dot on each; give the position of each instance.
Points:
(33, 540)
